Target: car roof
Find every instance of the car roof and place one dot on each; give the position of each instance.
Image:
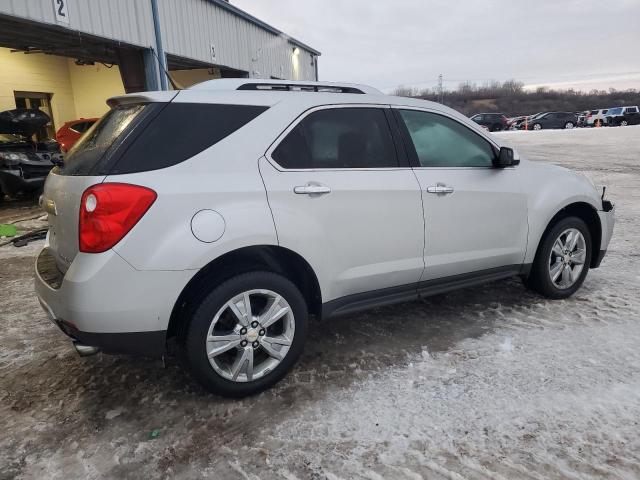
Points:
(230, 84)
(296, 98)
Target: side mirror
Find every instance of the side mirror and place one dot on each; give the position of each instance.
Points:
(506, 158)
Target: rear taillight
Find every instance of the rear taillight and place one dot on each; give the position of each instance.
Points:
(108, 211)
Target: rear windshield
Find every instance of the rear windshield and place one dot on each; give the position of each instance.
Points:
(85, 155)
(140, 138)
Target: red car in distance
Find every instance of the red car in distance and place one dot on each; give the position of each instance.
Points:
(71, 131)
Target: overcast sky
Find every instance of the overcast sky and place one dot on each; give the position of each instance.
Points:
(582, 44)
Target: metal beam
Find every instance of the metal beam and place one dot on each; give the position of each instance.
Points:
(162, 58)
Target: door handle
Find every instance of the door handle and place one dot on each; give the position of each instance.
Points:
(440, 189)
(312, 189)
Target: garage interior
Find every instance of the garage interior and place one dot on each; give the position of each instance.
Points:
(70, 75)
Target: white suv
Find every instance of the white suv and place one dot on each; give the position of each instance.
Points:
(228, 214)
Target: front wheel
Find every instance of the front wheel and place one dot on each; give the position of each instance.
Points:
(562, 260)
(537, 126)
(569, 125)
(247, 334)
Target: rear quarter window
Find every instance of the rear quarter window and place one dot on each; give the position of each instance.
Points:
(140, 138)
(180, 131)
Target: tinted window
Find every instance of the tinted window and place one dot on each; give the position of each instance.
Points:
(339, 138)
(477, 118)
(77, 127)
(442, 142)
(180, 131)
(140, 138)
(632, 110)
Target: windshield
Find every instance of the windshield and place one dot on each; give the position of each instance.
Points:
(8, 138)
(98, 140)
(615, 111)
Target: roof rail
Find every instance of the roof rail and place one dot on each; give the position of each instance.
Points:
(284, 86)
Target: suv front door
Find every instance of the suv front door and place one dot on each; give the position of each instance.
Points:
(343, 200)
(475, 214)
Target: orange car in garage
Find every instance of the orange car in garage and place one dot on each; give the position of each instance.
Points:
(71, 131)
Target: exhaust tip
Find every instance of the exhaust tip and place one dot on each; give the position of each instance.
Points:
(85, 350)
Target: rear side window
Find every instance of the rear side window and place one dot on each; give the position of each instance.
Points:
(339, 138)
(180, 131)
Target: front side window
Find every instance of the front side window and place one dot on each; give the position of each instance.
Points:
(440, 141)
(339, 138)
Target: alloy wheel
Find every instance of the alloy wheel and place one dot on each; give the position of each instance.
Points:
(250, 335)
(567, 258)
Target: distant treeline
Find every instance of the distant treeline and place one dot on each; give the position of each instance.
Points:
(512, 99)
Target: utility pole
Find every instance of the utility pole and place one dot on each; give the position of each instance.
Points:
(440, 89)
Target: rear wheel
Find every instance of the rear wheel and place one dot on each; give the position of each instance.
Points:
(563, 259)
(624, 123)
(247, 334)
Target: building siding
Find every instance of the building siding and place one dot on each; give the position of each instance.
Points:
(126, 21)
(189, 29)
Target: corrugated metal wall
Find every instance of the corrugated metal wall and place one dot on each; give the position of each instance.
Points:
(128, 21)
(191, 32)
(189, 29)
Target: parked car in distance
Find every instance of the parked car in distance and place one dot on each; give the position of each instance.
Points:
(582, 118)
(24, 164)
(71, 132)
(270, 214)
(549, 120)
(494, 122)
(513, 122)
(524, 122)
(597, 116)
(623, 116)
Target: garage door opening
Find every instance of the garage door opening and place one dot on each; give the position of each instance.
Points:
(185, 73)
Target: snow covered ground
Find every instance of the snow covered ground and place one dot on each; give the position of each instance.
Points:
(488, 382)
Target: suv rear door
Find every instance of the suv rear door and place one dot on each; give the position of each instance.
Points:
(475, 214)
(343, 199)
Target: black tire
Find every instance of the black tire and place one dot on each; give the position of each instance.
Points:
(539, 279)
(195, 346)
(534, 126)
(567, 127)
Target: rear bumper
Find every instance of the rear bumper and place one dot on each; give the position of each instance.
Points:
(148, 344)
(101, 301)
